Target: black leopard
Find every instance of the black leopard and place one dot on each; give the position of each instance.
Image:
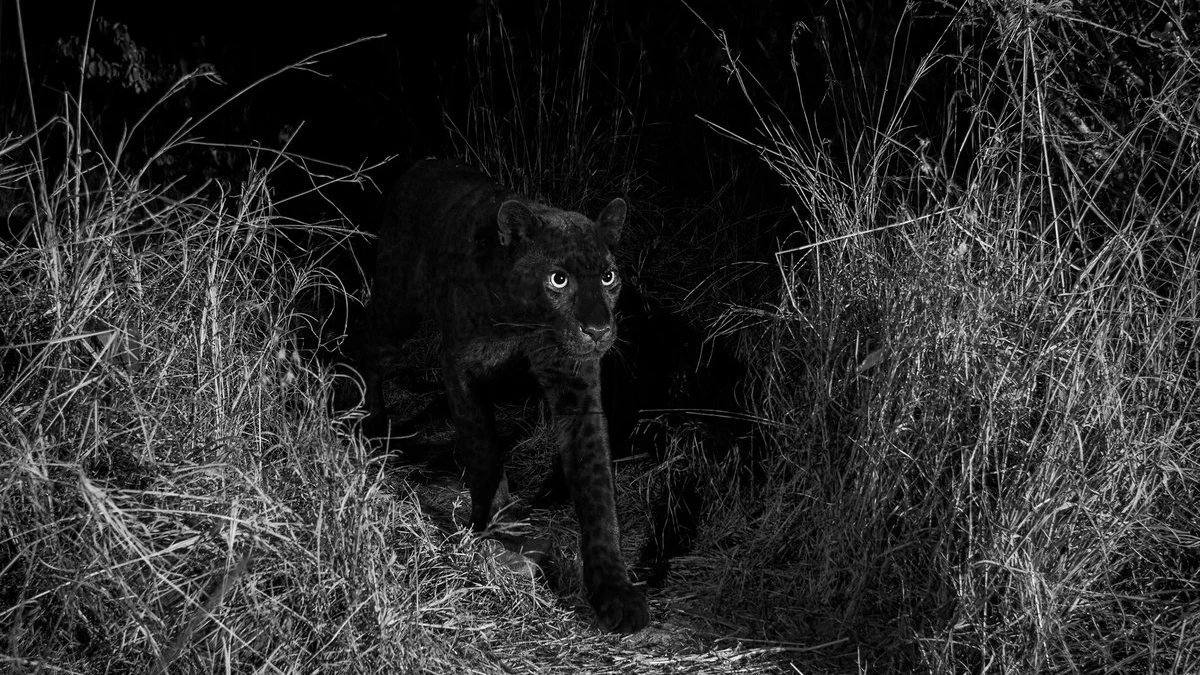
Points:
(509, 282)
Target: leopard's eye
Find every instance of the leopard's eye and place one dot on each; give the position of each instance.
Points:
(608, 278)
(557, 280)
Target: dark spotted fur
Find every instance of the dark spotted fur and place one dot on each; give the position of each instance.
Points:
(509, 281)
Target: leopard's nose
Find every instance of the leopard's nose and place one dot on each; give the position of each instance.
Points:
(596, 333)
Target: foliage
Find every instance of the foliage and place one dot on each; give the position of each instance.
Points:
(127, 66)
(981, 373)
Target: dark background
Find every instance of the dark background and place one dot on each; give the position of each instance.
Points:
(393, 96)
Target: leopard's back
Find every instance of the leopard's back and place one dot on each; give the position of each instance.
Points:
(433, 242)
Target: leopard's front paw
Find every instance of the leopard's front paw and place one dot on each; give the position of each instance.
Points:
(620, 607)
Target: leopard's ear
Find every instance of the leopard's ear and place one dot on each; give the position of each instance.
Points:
(514, 220)
(611, 219)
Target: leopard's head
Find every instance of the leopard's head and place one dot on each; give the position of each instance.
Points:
(564, 273)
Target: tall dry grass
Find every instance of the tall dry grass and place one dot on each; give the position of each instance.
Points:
(177, 495)
(981, 374)
(541, 117)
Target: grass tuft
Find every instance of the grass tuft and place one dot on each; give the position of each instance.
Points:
(980, 376)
